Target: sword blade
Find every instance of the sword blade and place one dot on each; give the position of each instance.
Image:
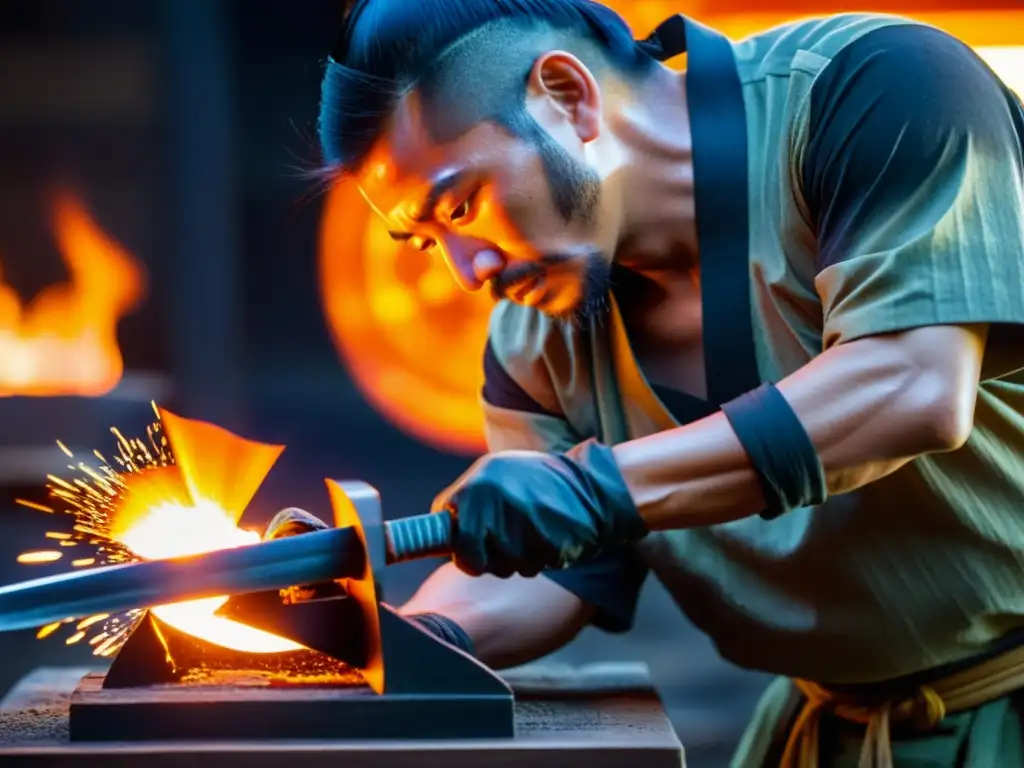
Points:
(294, 561)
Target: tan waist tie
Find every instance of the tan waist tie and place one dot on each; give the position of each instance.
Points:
(989, 680)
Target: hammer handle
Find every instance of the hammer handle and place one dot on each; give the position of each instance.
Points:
(419, 537)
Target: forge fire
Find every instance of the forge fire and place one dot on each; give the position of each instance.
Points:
(65, 341)
(180, 490)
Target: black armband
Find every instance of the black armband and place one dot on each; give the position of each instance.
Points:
(781, 452)
(445, 629)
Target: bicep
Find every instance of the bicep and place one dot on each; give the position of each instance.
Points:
(873, 404)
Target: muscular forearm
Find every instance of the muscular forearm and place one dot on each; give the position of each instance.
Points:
(869, 407)
(509, 621)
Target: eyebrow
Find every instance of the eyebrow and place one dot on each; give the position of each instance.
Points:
(442, 185)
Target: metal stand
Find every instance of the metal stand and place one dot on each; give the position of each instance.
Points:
(367, 673)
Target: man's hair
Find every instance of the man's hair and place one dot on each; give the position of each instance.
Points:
(470, 60)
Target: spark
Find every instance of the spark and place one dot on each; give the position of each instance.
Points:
(62, 483)
(88, 498)
(122, 518)
(108, 646)
(33, 505)
(44, 556)
(86, 623)
(48, 630)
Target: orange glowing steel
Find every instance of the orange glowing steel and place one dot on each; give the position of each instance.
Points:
(194, 507)
(65, 341)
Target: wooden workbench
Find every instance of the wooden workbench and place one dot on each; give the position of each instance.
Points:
(606, 716)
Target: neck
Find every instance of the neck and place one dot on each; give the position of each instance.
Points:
(653, 181)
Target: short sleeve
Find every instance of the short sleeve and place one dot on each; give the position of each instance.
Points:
(610, 583)
(516, 421)
(913, 179)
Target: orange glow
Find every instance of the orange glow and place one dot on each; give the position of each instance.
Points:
(413, 340)
(1007, 61)
(65, 341)
(194, 507)
(997, 35)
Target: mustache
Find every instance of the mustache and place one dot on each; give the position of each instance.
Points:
(517, 274)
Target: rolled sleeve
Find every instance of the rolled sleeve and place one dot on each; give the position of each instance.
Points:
(914, 180)
(610, 584)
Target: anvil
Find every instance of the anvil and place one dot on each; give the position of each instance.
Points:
(416, 685)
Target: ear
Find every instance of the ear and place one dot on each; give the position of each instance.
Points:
(570, 90)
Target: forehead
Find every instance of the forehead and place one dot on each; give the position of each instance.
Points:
(406, 158)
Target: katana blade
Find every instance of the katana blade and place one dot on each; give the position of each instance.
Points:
(334, 553)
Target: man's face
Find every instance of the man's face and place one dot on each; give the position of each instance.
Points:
(517, 214)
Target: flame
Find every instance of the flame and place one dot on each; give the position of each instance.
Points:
(169, 530)
(65, 341)
(154, 505)
(194, 507)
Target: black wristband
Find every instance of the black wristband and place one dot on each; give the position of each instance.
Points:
(445, 629)
(787, 464)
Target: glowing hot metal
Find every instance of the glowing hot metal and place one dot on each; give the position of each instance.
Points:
(178, 496)
(335, 553)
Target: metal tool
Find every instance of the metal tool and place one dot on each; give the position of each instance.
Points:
(336, 553)
(423, 687)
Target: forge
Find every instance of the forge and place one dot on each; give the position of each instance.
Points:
(322, 671)
(360, 669)
(362, 686)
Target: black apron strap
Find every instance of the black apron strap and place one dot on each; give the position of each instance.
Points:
(719, 133)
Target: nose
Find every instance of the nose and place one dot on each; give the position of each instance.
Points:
(473, 262)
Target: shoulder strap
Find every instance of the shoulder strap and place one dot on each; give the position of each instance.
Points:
(719, 133)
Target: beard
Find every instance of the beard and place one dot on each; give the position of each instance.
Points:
(594, 281)
(576, 193)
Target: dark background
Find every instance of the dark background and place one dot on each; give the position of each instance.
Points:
(183, 126)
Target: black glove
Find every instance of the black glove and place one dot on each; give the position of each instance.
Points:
(525, 512)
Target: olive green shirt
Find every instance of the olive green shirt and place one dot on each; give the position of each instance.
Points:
(871, 210)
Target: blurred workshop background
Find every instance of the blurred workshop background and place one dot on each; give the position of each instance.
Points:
(158, 242)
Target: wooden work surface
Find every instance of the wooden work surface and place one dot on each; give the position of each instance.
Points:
(608, 716)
